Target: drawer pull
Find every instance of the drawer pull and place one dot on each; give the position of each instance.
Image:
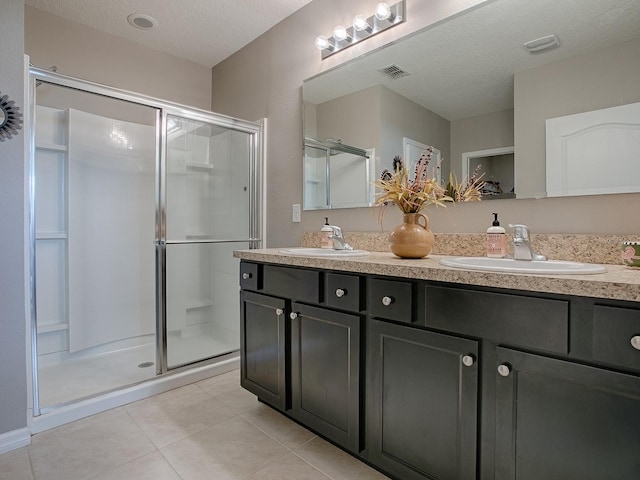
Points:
(504, 370)
(293, 315)
(340, 293)
(468, 360)
(386, 301)
(635, 342)
(246, 276)
(279, 311)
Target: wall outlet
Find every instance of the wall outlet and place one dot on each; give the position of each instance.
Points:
(295, 212)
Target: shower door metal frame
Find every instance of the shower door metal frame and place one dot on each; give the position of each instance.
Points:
(163, 108)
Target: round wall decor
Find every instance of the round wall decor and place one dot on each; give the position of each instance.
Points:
(10, 118)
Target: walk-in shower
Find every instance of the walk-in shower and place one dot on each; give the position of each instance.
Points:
(136, 207)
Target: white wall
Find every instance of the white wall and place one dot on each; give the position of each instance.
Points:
(265, 79)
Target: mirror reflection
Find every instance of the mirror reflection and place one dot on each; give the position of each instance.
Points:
(469, 87)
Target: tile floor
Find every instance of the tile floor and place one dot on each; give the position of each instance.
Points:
(212, 430)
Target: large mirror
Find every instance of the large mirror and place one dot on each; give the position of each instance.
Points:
(470, 88)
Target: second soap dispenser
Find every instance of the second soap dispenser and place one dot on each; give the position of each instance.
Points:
(325, 234)
(496, 239)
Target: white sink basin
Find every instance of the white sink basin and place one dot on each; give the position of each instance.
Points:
(508, 265)
(322, 252)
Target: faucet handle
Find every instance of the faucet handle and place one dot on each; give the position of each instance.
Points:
(520, 231)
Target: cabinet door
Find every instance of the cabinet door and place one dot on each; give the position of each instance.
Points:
(263, 352)
(325, 372)
(560, 420)
(422, 390)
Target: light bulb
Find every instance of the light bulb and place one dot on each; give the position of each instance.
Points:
(383, 12)
(322, 42)
(360, 23)
(340, 33)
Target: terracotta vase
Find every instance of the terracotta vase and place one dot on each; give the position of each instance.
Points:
(412, 239)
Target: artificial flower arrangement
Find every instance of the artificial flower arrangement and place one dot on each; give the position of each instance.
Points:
(412, 193)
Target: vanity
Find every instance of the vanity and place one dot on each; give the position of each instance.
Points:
(430, 372)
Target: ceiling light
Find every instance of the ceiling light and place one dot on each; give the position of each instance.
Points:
(384, 17)
(142, 21)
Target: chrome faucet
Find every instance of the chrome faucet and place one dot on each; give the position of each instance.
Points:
(522, 244)
(339, 243)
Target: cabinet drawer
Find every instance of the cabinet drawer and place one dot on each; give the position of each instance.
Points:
(343, 291)
(616, 336)
(391, 299)
(539, 323)
(294, 283)
(249, 276)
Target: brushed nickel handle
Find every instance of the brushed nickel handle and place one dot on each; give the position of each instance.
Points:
(293, 315)
(504, 370)
(468, 360)
(279, 311)
(246, 276)
(386, 301)
(340, 293)
(635, 342)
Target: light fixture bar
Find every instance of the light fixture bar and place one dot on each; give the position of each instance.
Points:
(362, 28)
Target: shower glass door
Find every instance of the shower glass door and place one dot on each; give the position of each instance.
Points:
(208, 201)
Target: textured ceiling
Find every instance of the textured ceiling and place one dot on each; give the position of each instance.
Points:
(203, 31)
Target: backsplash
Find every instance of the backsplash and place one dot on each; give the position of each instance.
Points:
(604, 249)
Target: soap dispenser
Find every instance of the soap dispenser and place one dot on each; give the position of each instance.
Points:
(325, 233)
(496, 239)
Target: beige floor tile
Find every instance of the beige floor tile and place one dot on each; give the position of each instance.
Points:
(221, 382)
(335, 463)
(85, 451)
(149, 467)
(286, 431)
(172, 416)
(235, 397)
(232, 450)
(15, 465)
(289, 467)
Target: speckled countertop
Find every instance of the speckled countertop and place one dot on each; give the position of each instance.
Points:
(619, 283)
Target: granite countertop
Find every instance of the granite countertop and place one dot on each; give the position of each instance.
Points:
(619, 283)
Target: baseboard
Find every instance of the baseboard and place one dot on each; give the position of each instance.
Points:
(14, 439)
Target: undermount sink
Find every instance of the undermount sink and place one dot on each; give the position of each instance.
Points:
(509, 265)
(322, 252)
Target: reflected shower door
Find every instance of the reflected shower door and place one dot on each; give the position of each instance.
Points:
(208, 215)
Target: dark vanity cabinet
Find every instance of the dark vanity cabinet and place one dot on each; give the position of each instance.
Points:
(436, 381)
(422, 400)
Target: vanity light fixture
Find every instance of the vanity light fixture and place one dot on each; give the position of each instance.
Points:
(384, 17)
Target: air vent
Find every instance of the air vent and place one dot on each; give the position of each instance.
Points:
(542, 44)
(394, 71)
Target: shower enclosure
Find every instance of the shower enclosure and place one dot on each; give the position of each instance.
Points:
(136, 207)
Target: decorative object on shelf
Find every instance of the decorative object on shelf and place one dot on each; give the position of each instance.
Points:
(10, 118)
(384, 17)
(631, 253)
(412, 193)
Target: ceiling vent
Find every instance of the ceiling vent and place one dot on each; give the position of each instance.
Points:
(394, 71)
(542, 44)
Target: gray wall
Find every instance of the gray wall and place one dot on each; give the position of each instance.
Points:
(265, 79)
(13, 371)
(604, 78)
(90, 54)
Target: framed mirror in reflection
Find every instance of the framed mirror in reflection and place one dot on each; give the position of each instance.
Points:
(470, 85)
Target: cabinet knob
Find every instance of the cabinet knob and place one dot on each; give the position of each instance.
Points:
(293, 315)
(246, 276)
(468, 360)
(279, 311)
(340, 293)
(386, 301)
(504, 370)
(635, 342)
